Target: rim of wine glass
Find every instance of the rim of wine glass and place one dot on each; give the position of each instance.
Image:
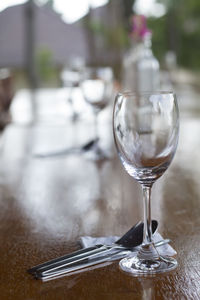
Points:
(144, 93)
(161, 92)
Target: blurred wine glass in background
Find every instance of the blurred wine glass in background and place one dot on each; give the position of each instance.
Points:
(71, 76)
(97, 89)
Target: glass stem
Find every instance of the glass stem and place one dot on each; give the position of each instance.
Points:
(148, 252)
(96, 125)
(147, 232)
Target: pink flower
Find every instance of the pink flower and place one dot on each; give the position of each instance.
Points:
(139, 27)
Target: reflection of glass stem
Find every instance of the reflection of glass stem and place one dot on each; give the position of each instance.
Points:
(148, 289)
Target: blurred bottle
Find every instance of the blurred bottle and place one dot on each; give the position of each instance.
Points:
(140, 67)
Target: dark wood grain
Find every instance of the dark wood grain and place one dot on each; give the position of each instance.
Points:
(46, 205)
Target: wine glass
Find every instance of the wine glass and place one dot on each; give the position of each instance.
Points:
(71, 76)
(146, 129)
(97, 88)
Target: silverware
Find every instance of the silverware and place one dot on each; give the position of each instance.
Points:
(83, 267)
(63, 152)
(82, 253)
(98, 260)
(75, 266)
(129, 240)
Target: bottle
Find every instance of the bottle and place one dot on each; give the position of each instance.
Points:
(140, 70)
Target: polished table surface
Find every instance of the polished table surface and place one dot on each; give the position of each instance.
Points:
(46, 205)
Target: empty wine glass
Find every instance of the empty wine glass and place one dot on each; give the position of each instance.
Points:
(97, 88)
(71, 76)
(146, 128)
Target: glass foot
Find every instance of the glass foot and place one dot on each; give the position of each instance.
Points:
(148, 267)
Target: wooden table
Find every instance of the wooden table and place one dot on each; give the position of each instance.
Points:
(46, 205)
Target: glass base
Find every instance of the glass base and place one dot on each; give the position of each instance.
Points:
(142, 267)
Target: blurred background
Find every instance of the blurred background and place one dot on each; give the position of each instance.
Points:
(42, 41)
(53, 31)
(38, 37)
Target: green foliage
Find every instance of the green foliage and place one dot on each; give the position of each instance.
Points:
(112, 36)
(178, 30)
(116, 37)
(45, 67)
(159, 37)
